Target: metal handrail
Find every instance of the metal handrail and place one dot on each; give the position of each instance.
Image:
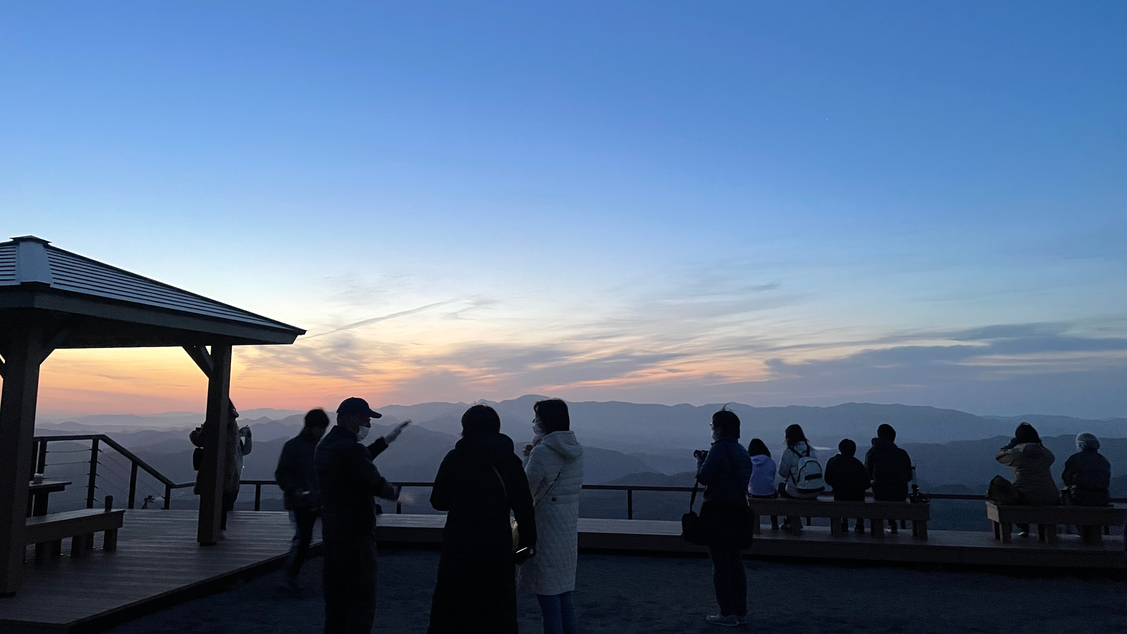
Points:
(169, 486)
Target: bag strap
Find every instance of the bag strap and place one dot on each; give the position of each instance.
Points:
(504, 488)
(693, 497)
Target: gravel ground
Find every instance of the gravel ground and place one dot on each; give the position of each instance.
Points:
(667, 595)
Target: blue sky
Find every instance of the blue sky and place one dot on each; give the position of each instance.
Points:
(760, 202)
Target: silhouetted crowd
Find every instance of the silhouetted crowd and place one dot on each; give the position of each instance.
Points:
(502, 511)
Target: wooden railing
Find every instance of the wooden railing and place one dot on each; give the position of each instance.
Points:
(137, 464)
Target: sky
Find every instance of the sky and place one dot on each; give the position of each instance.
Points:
(769, 203)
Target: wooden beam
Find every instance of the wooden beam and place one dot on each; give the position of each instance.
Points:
(213, 470)
(60, 336)
(202, 358)
(17, 431)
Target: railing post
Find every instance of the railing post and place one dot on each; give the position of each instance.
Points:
(132, 484)
(42, 462)
(258, 497)
(629, 504)
(398, 508)
(167, 496)
(93, 473)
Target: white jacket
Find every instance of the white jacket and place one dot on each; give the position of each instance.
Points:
(555, 475)
(788, 466)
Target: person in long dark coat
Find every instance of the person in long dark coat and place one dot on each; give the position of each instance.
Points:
(478, 483)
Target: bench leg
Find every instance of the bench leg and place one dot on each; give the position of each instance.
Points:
(997, 530)
(835, 526)
(78, 545)
(877, 527)
(1042, 532)
(109, 542)
(1051, 533)
(755, 528)
(1007, 532)
(919, 529)
(56, 548)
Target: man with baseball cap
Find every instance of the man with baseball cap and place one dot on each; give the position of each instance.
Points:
(348, 481)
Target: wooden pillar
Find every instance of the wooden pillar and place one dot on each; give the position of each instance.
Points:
(213, 467)
(17, 432)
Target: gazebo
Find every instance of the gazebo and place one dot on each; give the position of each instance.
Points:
(52, 299)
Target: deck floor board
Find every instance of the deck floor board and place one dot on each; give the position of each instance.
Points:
(158, 561)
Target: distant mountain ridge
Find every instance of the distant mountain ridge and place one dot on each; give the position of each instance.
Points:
(665, 429)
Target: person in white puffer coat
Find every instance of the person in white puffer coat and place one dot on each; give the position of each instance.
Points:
(555, 475)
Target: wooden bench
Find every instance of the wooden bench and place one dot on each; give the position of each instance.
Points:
(47, 532)
(1091, 519)
(875, 512)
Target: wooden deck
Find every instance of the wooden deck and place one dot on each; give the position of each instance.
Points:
(157, 563)
(962, 548)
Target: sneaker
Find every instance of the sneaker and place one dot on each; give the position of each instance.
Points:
(742, 620)
(723, 621)
(1023, 534)
(859, 529)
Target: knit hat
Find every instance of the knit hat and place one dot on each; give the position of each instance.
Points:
(1087, 441)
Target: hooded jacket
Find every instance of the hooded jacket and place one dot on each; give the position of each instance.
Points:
(890, 470)
(478, 483)
(1031, 462)
(848, 477)
(763, 472)
(555, 477)
(788, 466)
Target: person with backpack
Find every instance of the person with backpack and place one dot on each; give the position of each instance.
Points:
(890, 469)
(555, 477)
(763, 472)
(849, 479)
(801, 472)
(239, 443)
(725, 470)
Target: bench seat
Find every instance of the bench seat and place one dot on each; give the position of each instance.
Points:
(80, 526)
(1047, 518)
(918, 513)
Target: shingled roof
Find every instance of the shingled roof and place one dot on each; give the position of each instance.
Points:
(36, 274)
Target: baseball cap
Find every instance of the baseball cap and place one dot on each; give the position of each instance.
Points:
(357, 407)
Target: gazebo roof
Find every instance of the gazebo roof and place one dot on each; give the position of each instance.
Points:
(104, 306)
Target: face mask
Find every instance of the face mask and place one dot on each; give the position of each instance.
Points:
(362, 433)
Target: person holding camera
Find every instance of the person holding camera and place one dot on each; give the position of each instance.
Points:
(725, 471)
(478, 483)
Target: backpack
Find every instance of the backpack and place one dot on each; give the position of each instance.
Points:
(807, 476)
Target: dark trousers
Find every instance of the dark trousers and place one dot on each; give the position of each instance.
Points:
(303, 521)
(559, 615)
(729, 578)
(228, 505)
(350, 585)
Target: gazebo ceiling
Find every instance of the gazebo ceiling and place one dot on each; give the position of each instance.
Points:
(95, 305)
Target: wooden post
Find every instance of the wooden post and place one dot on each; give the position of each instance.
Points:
(213, 467)
(17, 433)
(132, 484)
(92, 476)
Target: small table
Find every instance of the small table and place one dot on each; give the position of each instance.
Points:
(37, 495)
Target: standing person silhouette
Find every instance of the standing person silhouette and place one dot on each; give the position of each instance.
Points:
(348, 480)
(479, 483)
(725, 470)
(555, 477)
